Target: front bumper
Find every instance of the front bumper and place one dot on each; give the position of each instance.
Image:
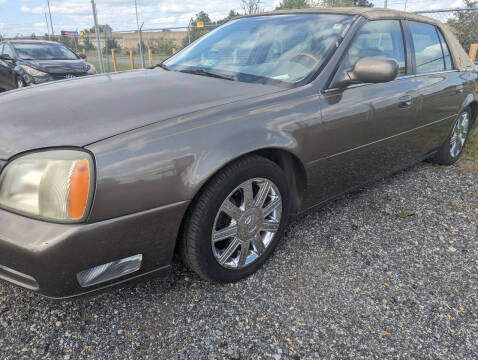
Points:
(46, 257)
(37, 80)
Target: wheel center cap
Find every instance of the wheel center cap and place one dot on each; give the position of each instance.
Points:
(249, 223)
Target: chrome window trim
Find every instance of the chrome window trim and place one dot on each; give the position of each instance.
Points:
(354, 86)
(436, 72)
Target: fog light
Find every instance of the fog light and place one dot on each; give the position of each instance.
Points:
(109, 271)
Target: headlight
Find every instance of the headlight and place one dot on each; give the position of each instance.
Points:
(55, 185)
(91, 69)
(33, 72)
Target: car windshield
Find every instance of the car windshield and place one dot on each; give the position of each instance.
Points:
(43, 51)
(266, 49)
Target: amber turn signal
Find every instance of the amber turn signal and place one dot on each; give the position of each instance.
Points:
(79, 190)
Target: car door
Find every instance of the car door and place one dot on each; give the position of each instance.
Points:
(363, 134)
(439, 84)
(7, 69)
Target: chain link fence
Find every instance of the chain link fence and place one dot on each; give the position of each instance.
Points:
(159, 44)
(121, 49)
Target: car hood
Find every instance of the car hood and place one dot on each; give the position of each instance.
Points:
(82, 111)
(58, 66)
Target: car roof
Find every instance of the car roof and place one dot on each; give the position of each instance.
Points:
(459, 55)
(366, 12)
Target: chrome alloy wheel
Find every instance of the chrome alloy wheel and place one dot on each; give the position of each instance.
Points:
(246, 223)
(458, 137)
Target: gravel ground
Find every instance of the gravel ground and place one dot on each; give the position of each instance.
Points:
(386, 272)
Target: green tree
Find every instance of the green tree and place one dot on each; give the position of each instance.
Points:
(111, 44)
(101, 29)
(465, 25)
(195, 32)
(232, 14)
(293, 4)
(251, 7)
(342, 3)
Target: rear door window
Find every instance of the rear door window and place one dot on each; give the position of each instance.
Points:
(446, 52)
(428, 49)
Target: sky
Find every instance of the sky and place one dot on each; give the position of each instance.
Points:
(25, 17)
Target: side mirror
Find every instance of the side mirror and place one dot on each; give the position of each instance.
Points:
(372, 70)
(6, 57)
(82, 56)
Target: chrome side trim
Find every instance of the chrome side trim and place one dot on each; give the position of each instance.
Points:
(380, 140)
(354, 86)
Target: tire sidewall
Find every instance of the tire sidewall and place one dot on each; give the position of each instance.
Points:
(208, 263)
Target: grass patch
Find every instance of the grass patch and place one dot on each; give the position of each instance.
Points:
(469, 158)
(121, 67)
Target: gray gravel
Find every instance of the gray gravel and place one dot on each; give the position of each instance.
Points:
(386, 272)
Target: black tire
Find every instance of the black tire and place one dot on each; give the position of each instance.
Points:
(19, 82)
(443, 156)
(195, 241)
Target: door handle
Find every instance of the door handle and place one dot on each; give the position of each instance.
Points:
(460, 89)
(405, 102)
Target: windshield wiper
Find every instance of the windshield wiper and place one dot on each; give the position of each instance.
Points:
(203, 72)
(162, 66)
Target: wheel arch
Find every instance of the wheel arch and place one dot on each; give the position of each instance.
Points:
(294, 170)
(292, 166)
(474, 111)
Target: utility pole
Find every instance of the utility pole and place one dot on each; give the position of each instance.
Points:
(141, 45)
(98, 42)
(51, 22)
(75, 37)
(47, 26)
(140, 35)
(385, 4)
(405, 9)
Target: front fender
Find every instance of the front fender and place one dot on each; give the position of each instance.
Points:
(230, 148)
(170, 161)
(139, 177)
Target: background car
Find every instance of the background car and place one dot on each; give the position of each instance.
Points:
(28, 62)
